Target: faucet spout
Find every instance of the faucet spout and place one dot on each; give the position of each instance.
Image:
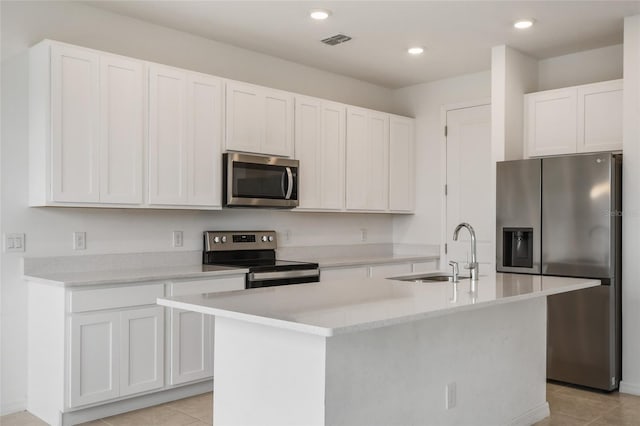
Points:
(473, 265)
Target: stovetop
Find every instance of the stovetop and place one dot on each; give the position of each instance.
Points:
(269, 265)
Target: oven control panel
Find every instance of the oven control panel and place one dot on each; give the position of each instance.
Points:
(239, 240)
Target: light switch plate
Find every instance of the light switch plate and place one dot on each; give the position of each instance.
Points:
(14, 242)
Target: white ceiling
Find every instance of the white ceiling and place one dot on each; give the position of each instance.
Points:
(457, 35)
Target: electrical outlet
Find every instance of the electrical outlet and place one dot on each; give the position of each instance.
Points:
(363, 234)
(79, 240)
(14, 242)
(177, 238)
(450, 391)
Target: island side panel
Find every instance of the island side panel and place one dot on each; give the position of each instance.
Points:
(397, 375)
(267, 376)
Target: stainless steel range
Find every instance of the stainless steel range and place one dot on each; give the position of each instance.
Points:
(256, 250)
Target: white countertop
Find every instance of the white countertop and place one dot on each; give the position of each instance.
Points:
(125, 276)
(336, 307)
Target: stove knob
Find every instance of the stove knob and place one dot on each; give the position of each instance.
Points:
(270, 238)
(216, 240)
(264, 238)
(223, 239)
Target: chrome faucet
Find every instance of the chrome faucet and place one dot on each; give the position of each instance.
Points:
(455, 271)
(473, 265)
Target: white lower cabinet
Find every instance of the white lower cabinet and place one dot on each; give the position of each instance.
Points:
(114, 354)
(344, 273)
(95, 358)
(91, 347)
(191, 346)
(429, 266)
(390, 270)
(191, 334)
(383, 270)
(142, 350)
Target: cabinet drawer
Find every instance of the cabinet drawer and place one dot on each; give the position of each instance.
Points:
(180, 288)
(111, 298)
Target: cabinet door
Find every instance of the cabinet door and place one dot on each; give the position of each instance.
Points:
(600, 117)
(95, 357)
(191, 340)
(401, 164)
(205, 140)
(357, 158)
(377, 164)
(142, 350)
(551, 122)
(308, 150)
(332, 156)
(121, 130)
(191, 333)
(278, 123)
(74, 124)
(167, 136)
(244, 117)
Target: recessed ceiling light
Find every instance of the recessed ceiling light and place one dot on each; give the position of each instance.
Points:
(415, 50)
(523, 24)
(320, 14)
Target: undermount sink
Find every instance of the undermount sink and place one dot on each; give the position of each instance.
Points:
(426, 277)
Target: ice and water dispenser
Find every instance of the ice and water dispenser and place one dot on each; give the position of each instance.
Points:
(517, 244)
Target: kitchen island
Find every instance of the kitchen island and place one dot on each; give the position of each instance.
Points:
(382, 352)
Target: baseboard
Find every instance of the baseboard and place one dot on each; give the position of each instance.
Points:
(12, 407)
(630, 388)
(532, 416)
(135, 403)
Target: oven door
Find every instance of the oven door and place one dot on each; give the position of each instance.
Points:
(268, 279)
(257, 181)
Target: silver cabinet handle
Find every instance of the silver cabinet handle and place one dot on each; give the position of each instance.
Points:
(290, 186)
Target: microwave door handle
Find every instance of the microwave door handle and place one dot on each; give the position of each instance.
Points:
(290, 186)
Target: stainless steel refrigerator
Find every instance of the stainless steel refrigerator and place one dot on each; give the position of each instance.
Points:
(562, 216)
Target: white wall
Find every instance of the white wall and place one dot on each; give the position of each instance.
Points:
(424, 101)
(48, 230)
(631, 219)
(589, 66)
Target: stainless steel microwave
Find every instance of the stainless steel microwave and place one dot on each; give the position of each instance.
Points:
(259, 181)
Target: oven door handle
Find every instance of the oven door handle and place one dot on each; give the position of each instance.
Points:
(263, 276)
(290, 185)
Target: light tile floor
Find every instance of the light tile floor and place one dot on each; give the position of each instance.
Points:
(194, 411)
(569, 407)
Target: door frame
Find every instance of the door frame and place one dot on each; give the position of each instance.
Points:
(444, 109)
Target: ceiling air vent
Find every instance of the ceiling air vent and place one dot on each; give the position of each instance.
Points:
(336, 39)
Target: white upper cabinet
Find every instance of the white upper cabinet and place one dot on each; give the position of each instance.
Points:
(185, 136)
(367, 163)
(584, 118)
(401, 164)
(320, 147)
(167, 136)
(111, 131)
(86, 126)
(74, 124)
(122, 129)
(600, 117)
(258, 120)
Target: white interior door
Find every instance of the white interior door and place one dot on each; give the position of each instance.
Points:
(469, 187)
